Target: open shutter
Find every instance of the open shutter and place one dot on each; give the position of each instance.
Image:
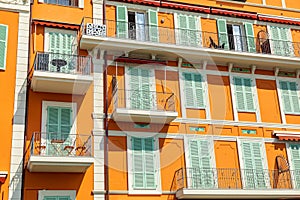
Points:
(239, 96)
(149, 160)
(3, 46)
(248, 94)
(188, 89)
(222, 33)
(250, 37)
(284, 90)
(199, 91)
(182, 29)
(295, 153)
(138, 169)
(294, 97)
(122, 27)
(153, 25)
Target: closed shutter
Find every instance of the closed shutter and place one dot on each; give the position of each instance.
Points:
(194, 93)
(64, 198)
(3, 46)
(144, 170)
(193, 36)
(122, 27)
(280, 43)
(222, 33)
(57, 198)
(182, 29)
(50, 198)
(201, 172)
(140, 89)
(250, 37)
(254, 174)
(153, 26)
(295, 153)
(188, 33)
(243, 94)
(289, 96)
(66, 122)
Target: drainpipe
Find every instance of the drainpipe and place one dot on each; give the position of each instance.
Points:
(27, 101)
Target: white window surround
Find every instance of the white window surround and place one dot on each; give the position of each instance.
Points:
(6, 47)
(46, 104)
(43, 193)
(131, 190)
(240, 155)
(187, 138)
(80, 3)
(46, 35)
(289, 154)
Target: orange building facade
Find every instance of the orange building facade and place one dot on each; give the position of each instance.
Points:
(151, 100)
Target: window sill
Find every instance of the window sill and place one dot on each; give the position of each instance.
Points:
(145, 192)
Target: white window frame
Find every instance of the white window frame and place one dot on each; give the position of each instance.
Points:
(187, 138)
(131, 190)
(281, 105)
(47, 37)
(6, 47)
(152, 82)
(80, 3)
(264, 154)
(43, 193)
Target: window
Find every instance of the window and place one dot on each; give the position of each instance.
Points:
(58, 124)
(200, 172)
(133, 24)
(141, 88)
(294, 150)
(193, 90)
(236, 37)
(243, 94)
(252, 161)
(281, 41)
(187, 30)
(143, 164)
(63, 2)
(60, 44)
(57, 195)
(289, 97)
(3, 45)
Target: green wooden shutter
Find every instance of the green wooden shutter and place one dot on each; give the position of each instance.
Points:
(239, 96)
(294, 97)
(182, 29)
(146, 99)
(53, 122)
(295, 154)
(134, 93)
(50, 198)
(250, 37)
(3, 46)
(64, 198)
(189, 91)
(201, 173)
(138, 168)
(198, 91)
(284, 90)
(222, 33)
(194, 93)
(260, 174)
(153, 25)
(286, 44)
(193, 39)
(149, 160)
(248, 94)
(122, 27)
(65, 122)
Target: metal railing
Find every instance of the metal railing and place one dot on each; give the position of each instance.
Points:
(184, 37)
(61, 144)
(230, 178)
(63, 63)
(73, 3)
(144, 100)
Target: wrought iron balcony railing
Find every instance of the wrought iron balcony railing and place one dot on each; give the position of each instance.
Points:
(144, 100)
(61, 144)
(184, 37)
(229, 178)
(63, 63)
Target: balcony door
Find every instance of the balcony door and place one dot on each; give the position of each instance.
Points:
(62, 49)
(136, 26)
(140, 89)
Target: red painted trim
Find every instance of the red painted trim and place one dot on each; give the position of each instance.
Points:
(233, 13)
(56, 25)
(291, 138)
(139, 61)
(187, 7)
(278, 20)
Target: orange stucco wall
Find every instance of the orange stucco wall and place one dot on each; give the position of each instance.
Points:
(7, 87)
(166, 28)
(274, 3)
(292, 4)
(111, 20)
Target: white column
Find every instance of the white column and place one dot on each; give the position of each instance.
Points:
(16, 162)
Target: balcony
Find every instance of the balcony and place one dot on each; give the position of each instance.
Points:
(143, 106)
(53, 152)
(189, 44)
(61, 73)
(226, 183)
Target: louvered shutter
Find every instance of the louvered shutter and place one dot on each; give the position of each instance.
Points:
(146, 100)
(134, 93)
(153, 25)
(50, 198)
(122, 27)
(295, 154)
(286, 45)
(149, 160)
(195, 171)
(207, 171)
(275, 42)
(284, 90)
(64, 198)
(198, 91)
(248, 94)
(138, 169)
(250, 37)
(238, 87)
(182, 29)
(260, 178)
(294, 97)
(189, 93)
(66, 123)
(192, 31)
(53, 122)
(222, 33)
(3, 46)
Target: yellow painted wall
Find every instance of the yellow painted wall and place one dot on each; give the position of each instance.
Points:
(166, 28)
(274, 3)
(7, 87)
(292, 4)
(111, 20)
(209, 29)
